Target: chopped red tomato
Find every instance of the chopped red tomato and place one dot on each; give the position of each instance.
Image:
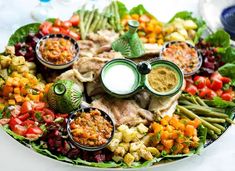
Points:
(216, 84)
(200, 81)
(227, 96)
(58, 23)
(66, 24)
(14, 121)
(191, 89)
(39, 106)
(23, 117)
(19, 129)
(48, 115)
(74, 20)
(225, 80)
(26, 107)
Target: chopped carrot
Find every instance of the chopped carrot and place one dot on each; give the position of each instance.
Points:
(156, 127)
(189, 130)
(7, 90)
(168, 144)
(18, 98)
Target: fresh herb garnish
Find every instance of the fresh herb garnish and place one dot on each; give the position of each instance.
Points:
(38, 115)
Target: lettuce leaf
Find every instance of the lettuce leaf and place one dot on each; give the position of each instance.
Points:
(20, 34)
(140, 10)
(219, 39)
(186, 15)
(228, 70)
(218, 102)
(14, 135)
(110, 164)
(202, 132)
(229, 55)
(122, 10)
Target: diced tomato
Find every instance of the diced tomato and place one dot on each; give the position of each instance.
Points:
(205, 92)
(19, 129)
(32, 136)
(16, 111)
(26, 107)
(61, 116)
(74, 20)
(28, 123)
(58, 23)
(64, 31)
(227, 96)
(211, 95)
(74, 35)
(34, 130)
(66, 24)
(39, 106)
(215, 76)
(23, 117)
(54, 30)
(216, 84)
(225, 80)
(45, 27)
(219, 92)
(208, 83)
(191, 89)
(14, 121)
(37, 115)
(48, 115)
(200, 81)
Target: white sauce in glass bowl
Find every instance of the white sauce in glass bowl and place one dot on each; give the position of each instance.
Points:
(120, 79)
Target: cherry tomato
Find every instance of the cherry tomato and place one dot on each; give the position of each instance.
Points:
(191, 89)
(48, 115)
(26, 107)
(227, 96)
(66, 24)
(200, 81)
(39, 106)
(19, 129)
(211, 95)
(23, 117)
(216, 84)
(58, 23)
(14, 121)
(225, 80)
(54, 30)
(74, 35)
(74, 20)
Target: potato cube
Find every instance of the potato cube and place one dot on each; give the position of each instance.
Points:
(142, 128)
(19, 60)
(175, 36)
(10, 50)
(121, 128)
(154, 151)
(129, 135)
(145, 140)
(136, 155)
(129, 159)
(189, 24)
(113, 144)
(117, 158)
(5, 61)
(145, 154)
(118, 135)
(135, 146)
(183, 32)
(120, 151)
(125, 145)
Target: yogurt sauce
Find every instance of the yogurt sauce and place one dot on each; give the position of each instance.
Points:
(120, 79)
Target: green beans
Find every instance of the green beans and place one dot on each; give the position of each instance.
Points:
(219, 126)
(212, 134)
(192, 115)
(201, 102)
(213, 120)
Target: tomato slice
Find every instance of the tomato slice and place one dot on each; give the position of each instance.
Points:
(23, 117)
(26, 107)
(48, 116)
(74, 20)
(20, 130)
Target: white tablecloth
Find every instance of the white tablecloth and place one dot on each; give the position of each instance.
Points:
(220, 156)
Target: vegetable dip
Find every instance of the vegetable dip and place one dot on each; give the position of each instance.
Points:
(120, 79)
